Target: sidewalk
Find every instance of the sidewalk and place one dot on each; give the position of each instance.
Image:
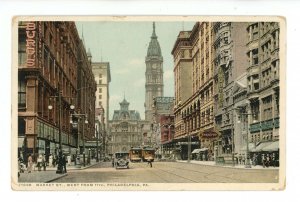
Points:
(50, 174)
(238, 166)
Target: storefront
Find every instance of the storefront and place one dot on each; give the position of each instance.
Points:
(263, 150)
(208, 139)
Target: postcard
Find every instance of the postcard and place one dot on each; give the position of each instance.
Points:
(148, 103)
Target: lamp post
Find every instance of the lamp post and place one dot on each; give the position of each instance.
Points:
(78, 145)
(97, 145)
(189, 148)
(247, 163)
(50, 107)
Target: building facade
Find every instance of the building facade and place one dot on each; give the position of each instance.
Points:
(197, 111)
(229, 62)
(102, 76)
(183, 78)
(125, 129)
(263, 85)
(47, 67)
(85, 105)
(164, 125)
(154, 86)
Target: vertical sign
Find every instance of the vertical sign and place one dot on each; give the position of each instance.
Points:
(30, 43)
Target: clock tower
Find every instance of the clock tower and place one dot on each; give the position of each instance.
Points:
(154, 75)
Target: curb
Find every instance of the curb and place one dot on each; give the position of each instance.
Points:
(56, 178)
(232, 167)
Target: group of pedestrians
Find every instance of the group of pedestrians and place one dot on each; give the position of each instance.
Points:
(266, 160)
(42, 163)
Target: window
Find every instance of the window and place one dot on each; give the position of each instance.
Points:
(22, 92)
(100, 103)
(100, 90)
(100, 81)
(100, 96)
(255, 35)
(255, 57)
(22, 50)
(100, 75)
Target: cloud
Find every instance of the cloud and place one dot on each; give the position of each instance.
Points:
(130, 66)
(115, 98)
(140, 82)
(169, 74)
(137, 62)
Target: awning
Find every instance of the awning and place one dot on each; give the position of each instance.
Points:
(261, 146)
(274, 146)
(203, 149)
(196, 151)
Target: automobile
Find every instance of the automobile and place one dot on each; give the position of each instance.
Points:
(121, 160)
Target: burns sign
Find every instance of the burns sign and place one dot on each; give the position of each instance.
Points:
(30, 43)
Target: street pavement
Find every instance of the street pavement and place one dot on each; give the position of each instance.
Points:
(172, 172)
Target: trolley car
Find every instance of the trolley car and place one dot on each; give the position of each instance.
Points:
(135, 154)
(148, 154)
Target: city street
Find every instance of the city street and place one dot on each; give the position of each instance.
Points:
(169, 172)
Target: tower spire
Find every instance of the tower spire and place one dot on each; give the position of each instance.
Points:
(153, 33)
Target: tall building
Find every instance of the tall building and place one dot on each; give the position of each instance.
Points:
(197, 111)
(229, 63)
(48, 55)
(102, 76)
(86, 88)
(154, 86)
(263, 85)
(183, 78)
(125, 129)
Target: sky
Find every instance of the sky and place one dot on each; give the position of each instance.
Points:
(124, 45)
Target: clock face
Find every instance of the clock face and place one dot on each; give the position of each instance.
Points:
(154, 66)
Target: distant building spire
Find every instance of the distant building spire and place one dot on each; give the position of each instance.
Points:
(153, 33)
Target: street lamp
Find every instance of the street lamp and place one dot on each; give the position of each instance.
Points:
(247, 164)
(50, 107)
(78, 145)
(97, 145)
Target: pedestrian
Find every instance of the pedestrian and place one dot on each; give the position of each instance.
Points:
(273, 159)
(240, 159)
(44, 162)
(150, 163)
(268, 160)
(263, 160)
(30, 163)
(64, 163)
(254, 160)
(51, 160)
(39, 162)
(54, 160)
(243, 159)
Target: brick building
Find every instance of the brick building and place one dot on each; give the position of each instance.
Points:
(48, 64)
